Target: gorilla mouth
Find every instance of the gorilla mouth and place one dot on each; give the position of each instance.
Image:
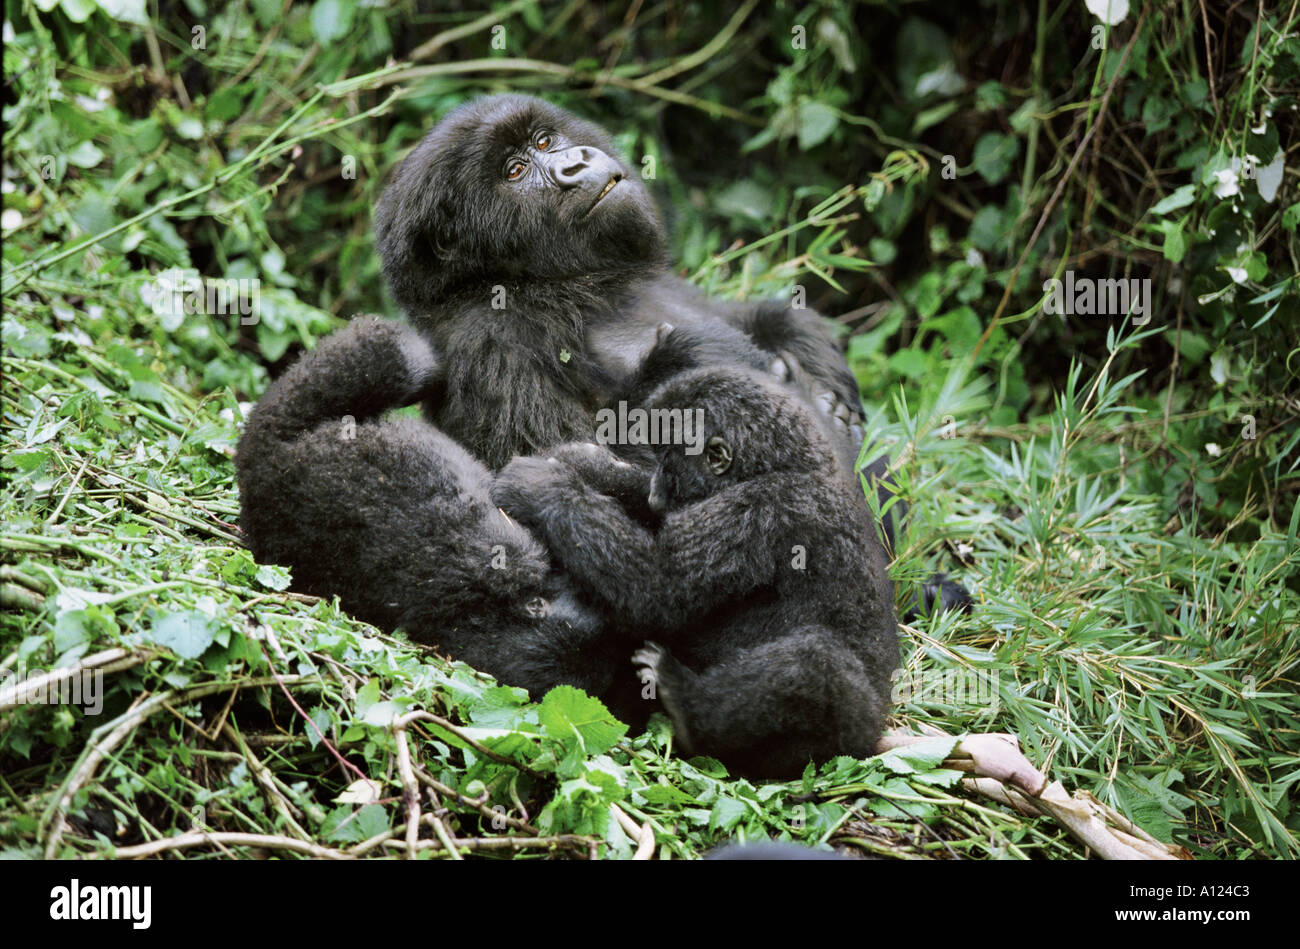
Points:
(609, 186)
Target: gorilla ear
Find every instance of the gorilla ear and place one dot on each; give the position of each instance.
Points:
(718, 455)
(442, 238)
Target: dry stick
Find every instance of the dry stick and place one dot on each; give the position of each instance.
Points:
(220, 838)
(1060, 189)
(110, 660)
(995, 756)
(504, 843)
(440, 829)
(261, 50)
(706, 52)
(53, 518)
(567, 73)
(366, 846)
(15, 597)
(644, 835)
(347, 765)
(645, 850)
(1096, 825)
(633, 10)
(1209, 61)
(108, 736)
(12, 574)
(476, 745)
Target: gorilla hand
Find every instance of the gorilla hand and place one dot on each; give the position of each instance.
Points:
(601, 469)
(523, 489)
(844, 417)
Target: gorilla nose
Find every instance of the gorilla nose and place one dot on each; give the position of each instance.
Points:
(583, 165)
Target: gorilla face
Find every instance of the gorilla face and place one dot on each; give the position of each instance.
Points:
(752, 427)
(511, 188)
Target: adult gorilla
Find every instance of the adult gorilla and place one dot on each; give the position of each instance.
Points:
(534, 260)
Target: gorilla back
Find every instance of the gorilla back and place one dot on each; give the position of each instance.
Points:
(395, 518)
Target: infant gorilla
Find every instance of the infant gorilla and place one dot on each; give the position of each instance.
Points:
(762, 583)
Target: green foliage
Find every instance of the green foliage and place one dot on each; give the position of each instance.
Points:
(1120, 493)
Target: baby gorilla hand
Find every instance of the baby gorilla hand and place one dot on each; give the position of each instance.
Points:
(524, 487)
(598, 467)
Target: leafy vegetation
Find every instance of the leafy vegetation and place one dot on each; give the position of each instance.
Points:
(1120, 489)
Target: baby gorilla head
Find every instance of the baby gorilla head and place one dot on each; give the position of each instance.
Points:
(511, 188)
(751, 426)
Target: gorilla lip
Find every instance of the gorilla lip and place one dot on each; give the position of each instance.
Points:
(609, 186)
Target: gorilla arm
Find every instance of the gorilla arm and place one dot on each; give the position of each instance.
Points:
(702, 555)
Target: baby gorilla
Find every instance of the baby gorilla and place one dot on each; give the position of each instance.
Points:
(763, 584)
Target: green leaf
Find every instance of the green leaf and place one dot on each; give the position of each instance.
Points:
(816, 122)
(273, 577)
(85, 155)
(726, 814)
(332, 19)
(1291, 218)
(1175, 242)
(1181, 198)
(70, 630)
(922, 756)
(567, 713)
(909, 363)
(128, 11)
(995, 152)
(746, 199)
(187, 634)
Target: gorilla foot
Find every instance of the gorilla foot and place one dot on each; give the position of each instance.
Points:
(940, 594)
(658, 669)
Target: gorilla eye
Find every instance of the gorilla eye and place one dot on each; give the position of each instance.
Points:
(543, 141)
(717, 453)
(515, 171)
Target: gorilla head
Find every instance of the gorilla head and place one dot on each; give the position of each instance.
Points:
(751, 428)
(511, 188)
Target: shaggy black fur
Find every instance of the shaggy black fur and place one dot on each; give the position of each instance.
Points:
(541, 296)
(764, 587)
(539, 292)
(395, 518)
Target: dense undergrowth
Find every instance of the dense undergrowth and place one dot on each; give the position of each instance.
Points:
(1119, 492)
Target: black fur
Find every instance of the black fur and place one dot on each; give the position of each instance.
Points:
(541, 303)
(764, 587)
(395, 518)
(536, 305)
